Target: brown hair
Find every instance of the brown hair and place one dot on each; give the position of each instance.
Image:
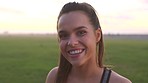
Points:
(64, 65)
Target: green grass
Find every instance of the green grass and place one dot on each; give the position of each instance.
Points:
(129, 58)
(28, 59)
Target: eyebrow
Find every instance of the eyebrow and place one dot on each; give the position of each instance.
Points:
(78, 28)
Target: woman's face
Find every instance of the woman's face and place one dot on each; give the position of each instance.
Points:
(77, 37)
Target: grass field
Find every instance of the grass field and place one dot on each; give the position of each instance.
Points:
(28, 58)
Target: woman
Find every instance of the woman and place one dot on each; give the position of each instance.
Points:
(79, 35)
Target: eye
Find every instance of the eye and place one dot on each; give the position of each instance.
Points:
(63, 36)
(81, 33)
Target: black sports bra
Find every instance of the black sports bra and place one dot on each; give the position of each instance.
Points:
(106, 75)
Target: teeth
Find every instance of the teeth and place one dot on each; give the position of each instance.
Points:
(75, 52)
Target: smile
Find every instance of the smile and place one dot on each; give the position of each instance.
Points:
(74, 52)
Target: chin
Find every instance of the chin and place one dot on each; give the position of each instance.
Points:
(76, 63)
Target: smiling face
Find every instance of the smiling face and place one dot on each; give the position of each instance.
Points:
(77, 38)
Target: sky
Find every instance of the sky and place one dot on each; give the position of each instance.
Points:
(40, 16)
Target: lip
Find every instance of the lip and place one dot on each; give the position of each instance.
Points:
(75, 56)
(75, 53)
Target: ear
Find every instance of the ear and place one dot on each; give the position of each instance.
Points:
(98, 35)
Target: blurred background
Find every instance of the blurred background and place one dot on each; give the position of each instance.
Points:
(29, 46)
(39, 16)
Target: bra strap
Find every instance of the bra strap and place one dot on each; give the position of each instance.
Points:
(106, 75)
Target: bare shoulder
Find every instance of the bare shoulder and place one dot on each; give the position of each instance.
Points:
(51, 75)
(116, 78)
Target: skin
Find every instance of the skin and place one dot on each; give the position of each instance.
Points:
(77, 34)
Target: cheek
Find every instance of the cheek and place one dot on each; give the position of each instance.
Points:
(90, 42)
(89, 39)
(62, 46)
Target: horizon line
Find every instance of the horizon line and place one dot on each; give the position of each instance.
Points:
(56, 33)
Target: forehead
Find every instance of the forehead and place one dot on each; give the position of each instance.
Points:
(73, 19)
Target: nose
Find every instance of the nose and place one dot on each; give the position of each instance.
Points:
(73, 41)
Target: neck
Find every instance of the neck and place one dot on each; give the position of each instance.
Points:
(87, 70)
